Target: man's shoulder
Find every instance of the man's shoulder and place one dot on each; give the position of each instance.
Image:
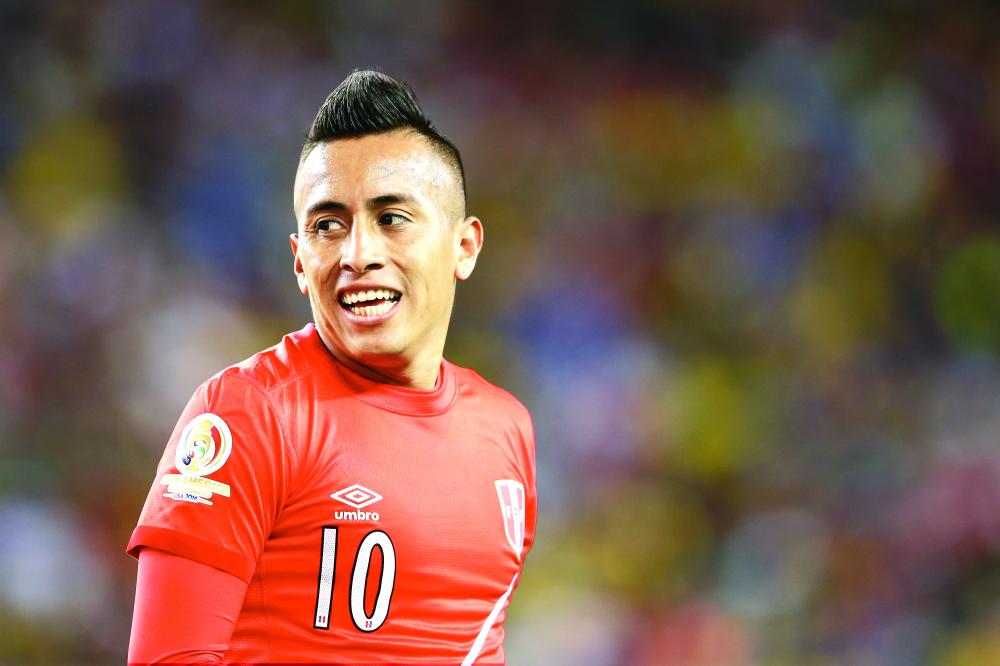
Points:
(285, 363)
(497, 398)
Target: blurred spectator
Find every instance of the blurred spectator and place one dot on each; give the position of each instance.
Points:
(742, 262)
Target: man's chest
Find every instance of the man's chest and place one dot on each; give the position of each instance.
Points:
(390, 523)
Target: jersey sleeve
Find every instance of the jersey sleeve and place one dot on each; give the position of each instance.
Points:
(204, 635)
(221, 481)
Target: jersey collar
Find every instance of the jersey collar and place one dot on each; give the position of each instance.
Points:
(390, 397)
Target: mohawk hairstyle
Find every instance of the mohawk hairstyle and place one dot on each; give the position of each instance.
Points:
(369, 102)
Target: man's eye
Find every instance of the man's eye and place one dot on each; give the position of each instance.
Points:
(327, 225)
(391, 219)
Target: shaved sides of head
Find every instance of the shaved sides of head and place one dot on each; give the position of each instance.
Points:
(370, 102)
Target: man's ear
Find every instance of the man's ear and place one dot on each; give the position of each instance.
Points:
(300, 274)
(470, 243)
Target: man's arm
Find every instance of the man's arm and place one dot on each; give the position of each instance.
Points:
(185, 611)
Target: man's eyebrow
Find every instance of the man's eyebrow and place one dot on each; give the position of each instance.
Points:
(384, 199)
(329, 205)
(324, 206)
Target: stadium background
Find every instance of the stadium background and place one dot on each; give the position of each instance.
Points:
(742, 263)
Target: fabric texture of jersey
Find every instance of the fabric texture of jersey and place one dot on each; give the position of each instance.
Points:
(373, 522)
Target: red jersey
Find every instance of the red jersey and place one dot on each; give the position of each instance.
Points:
(373, 522)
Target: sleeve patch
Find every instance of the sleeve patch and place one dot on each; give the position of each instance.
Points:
(203, 448)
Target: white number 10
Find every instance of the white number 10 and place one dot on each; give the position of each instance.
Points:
(359, 577)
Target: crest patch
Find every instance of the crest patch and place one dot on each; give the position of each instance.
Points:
(511, 495)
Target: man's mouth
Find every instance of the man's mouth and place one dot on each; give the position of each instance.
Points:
(371, 302)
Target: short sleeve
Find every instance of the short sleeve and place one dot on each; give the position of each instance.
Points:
(221, 481)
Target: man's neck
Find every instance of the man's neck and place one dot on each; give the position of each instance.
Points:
(418, 373)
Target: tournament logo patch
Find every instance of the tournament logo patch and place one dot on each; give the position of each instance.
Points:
(203, 448)
(511, 494)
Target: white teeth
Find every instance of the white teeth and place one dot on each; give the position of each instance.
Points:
(372, 310)
(370, 295)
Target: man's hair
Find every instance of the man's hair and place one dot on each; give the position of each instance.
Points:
(369, 102)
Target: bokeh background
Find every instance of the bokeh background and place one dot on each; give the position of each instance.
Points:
(742, 263)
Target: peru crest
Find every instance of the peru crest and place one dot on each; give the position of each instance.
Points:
(511, 494)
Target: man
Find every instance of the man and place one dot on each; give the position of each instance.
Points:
(348, 495)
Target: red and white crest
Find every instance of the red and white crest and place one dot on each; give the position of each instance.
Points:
(511, 494)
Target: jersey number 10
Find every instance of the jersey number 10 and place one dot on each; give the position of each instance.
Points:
(359, 578)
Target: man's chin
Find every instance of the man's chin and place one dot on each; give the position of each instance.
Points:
(370, 345)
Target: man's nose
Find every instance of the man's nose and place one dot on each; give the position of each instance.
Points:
(363, 251)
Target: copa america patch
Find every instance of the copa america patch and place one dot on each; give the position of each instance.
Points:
(203, 448)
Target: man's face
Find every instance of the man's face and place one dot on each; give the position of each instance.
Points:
(381, 213)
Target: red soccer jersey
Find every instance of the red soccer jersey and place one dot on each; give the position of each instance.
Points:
(373, 522)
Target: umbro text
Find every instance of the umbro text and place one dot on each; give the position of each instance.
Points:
(356, 515)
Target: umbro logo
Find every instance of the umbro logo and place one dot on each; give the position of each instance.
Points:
(359, 497)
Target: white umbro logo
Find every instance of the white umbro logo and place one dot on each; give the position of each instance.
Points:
(357, 496)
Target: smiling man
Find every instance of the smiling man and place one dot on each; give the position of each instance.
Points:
(348, 495)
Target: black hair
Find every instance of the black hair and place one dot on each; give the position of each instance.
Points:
(369, 102)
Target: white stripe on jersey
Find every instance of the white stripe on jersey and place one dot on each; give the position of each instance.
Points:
(477, 645)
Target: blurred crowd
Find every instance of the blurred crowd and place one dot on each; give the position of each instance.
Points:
(742, 262)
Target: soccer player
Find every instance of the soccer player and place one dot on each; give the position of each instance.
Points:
(347, 495)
